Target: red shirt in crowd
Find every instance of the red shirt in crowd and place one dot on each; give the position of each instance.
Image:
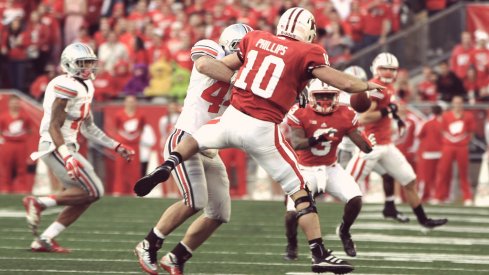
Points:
(430, 135)
(427, 90)
(15, 128)
(480, 59)
(129, 127)
(457, 130)
(374, 16)
(460, 60)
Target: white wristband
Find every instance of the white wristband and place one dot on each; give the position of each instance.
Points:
(63, 151)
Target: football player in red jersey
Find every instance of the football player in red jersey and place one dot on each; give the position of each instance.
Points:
(316, 132)
(273, 69)
(385, 158)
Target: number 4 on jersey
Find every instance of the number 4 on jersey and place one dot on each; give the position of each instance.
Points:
(215, 94)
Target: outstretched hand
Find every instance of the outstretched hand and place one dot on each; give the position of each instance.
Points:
(125, 151)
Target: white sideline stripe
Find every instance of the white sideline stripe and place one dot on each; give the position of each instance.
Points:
(429, 209)
(417, 227)
(9, 213)
(365, 246)
(366, 237)
(451, 218)
(69, 271)
(98, 272)
(239, 263)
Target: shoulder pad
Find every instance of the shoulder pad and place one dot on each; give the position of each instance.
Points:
(206, 47)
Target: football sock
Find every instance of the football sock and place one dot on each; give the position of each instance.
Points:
(47, 201)
(352, 209)
(291, 227)
(155, 241)
(420, 214)
(389, 203)
(317, 247)
(53, 230)
(182, 253)
(173, 160)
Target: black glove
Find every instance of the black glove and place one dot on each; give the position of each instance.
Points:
(401, 126)
(329, 136)
(391, 108)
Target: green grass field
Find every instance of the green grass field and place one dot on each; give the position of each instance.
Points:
(252, 243)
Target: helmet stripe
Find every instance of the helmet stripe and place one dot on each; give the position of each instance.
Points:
(290, 17)
(295, 20)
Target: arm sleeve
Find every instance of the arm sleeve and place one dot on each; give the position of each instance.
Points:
(93, 133)
(316, 57)
(354, 121)
(206, 48)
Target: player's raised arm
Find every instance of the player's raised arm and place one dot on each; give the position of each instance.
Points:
(222, 70)
(343, 81)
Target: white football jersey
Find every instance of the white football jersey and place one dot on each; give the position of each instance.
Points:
(79, 99)
(206, 98)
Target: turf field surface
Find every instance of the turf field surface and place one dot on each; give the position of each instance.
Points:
(102, 240)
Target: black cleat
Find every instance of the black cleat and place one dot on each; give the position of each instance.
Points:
(432, 223)
(348, 244)
(330, 263)
(395, 215)
(145, 184)
(291, 253)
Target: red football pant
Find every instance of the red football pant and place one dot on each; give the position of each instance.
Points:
(460, 154)
(13, 167)
(126, 173)
(427, 169)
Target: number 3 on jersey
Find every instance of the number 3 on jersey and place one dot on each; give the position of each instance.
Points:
(262, 74)
(215, 94)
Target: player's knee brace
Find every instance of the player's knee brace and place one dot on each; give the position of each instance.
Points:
(311, 208)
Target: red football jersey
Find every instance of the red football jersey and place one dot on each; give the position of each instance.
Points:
(457, 130)
(343, 120)
(14, 128)
(129, 128)
(405, 142)
(381, 128)
(430, 135)
(275, 69)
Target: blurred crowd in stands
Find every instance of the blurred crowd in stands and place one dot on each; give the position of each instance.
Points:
(144, 45)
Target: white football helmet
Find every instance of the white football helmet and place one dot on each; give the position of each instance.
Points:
(297, 23)
(231, 36)
(357, 72)
(79, 60)
(386, 61)
(323, 98)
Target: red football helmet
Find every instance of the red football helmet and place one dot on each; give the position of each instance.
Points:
(323, 98)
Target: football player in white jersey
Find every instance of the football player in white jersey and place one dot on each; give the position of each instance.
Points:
(202, 179)
(67, 112)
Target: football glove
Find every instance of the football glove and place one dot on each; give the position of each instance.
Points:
(125, 151)
(329, 136)
(391, 108)
(72, 165)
